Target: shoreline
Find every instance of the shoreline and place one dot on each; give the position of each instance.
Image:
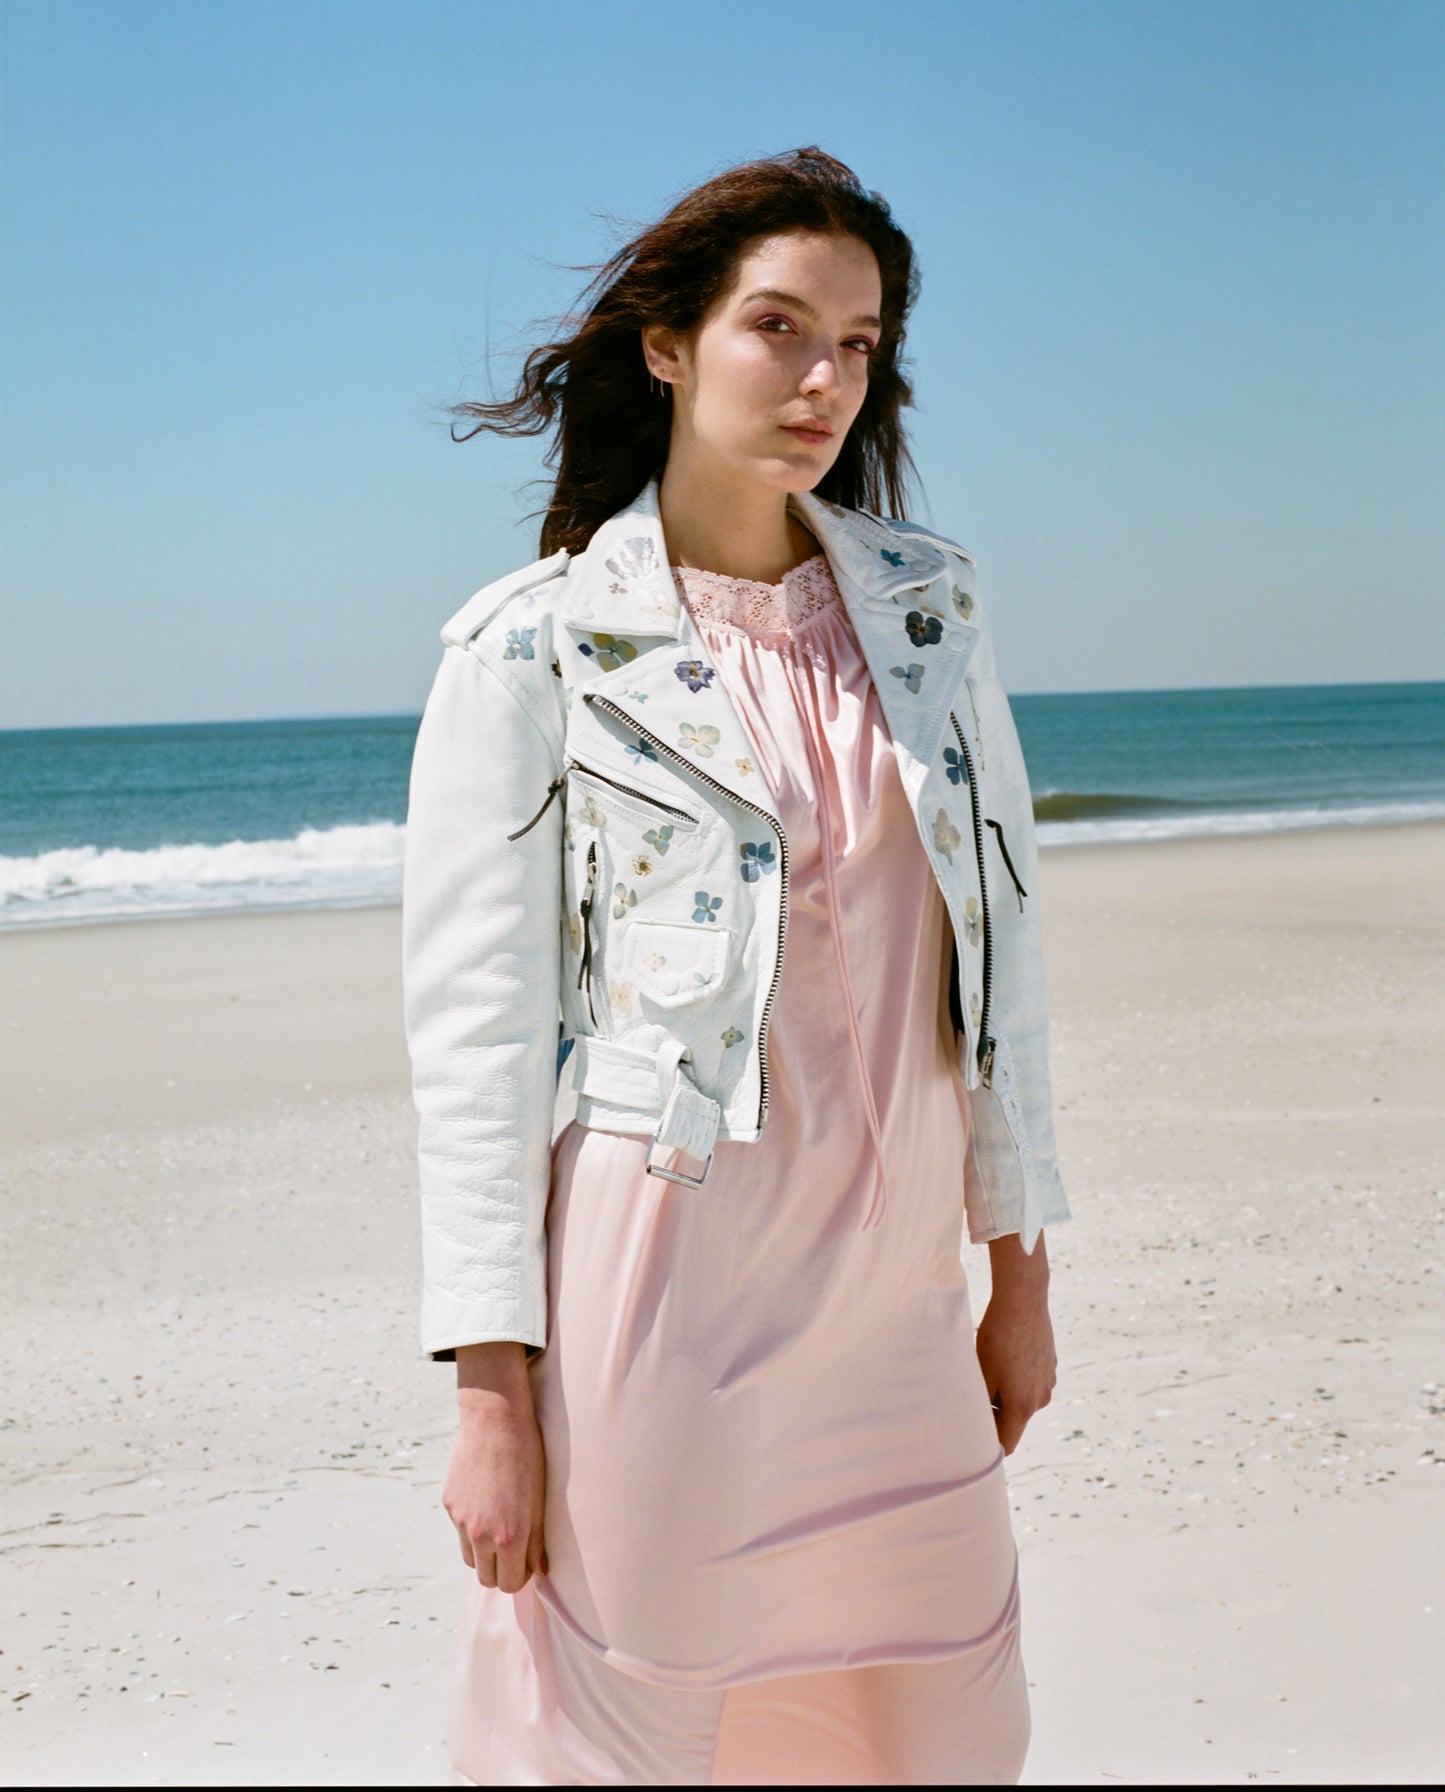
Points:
(1047, 849)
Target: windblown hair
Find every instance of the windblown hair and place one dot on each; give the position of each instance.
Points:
(592, 387)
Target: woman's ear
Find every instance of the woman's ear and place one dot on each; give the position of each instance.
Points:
(660, 351)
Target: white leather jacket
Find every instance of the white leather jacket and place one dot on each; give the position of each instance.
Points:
(589, 838)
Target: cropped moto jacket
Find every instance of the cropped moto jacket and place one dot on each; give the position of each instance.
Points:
(577, 725)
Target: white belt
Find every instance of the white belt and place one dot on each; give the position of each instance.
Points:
(650, 1084)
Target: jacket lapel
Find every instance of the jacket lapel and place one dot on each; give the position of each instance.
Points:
(905, 597)
(621, 589)
(908, 603)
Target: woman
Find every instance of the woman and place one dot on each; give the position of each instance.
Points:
(728, 781)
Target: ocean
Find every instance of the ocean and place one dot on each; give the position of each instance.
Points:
(110, 823)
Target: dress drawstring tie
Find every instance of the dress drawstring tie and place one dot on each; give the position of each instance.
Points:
(878, 1202)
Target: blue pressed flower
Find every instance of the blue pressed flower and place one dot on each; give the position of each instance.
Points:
(659, 839)
(923, 630)
(707, 906)
(643, 749)
(912, 675)
(757, 858)
(957, 767)
(519, 643)
(892, 558)
(695, 675)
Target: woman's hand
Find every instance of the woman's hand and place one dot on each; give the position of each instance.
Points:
(496, 1482)
(1016, 1338)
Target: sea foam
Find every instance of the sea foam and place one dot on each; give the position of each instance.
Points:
(1201, 822)
(318, 867)
(360, 866)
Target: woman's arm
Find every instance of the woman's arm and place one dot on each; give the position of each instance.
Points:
(1016, 1337)
(481, 927)
(481, 924)
(1011, 1182)
(495, 1486)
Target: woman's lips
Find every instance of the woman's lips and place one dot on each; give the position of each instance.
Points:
(804, 434)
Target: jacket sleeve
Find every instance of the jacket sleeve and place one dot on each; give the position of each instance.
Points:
(480, 930)
(1012, 1181)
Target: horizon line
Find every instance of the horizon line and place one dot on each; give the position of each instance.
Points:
(413, 715)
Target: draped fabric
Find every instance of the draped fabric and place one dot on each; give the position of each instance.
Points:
(770, 1450)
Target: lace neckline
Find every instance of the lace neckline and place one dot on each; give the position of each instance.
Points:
(805, 592)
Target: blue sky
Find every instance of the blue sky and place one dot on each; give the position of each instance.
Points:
(1179, 351)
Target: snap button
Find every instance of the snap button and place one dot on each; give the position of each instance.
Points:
(669, 983)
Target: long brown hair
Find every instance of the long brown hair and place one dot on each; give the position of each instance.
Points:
(592, 388)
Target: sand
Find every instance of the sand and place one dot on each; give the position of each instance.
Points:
(222, 1558)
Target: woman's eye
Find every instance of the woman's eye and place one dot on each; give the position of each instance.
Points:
(858, 342)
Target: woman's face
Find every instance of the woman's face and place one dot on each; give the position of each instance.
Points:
(789, 344)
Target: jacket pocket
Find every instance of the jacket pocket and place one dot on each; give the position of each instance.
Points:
(599, 793)
(672, 963)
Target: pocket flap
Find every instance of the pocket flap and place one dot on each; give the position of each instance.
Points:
(674, 962)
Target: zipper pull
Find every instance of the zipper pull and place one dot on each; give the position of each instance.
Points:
(985, 1062)
(1003, 848)
(552, 790)
(584, 907)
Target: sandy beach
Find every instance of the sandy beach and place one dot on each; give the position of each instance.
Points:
(222, 1556)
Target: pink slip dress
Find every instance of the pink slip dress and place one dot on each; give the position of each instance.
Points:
(769, 1446)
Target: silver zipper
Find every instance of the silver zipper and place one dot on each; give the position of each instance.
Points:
(985, 1046)
(772, 821)
(643, 796)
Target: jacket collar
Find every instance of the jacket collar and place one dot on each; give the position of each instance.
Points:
(622, 581)
(870, 560)
(897, 587)
(911, 613)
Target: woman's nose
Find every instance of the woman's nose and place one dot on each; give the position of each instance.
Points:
(822, 376)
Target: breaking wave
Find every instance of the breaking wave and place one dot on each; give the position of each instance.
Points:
(340, 867)
(1065, 818)
(360, 866)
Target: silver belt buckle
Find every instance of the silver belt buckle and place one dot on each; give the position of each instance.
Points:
(679, 1176)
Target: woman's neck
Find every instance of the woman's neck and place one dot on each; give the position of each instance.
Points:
(737, 528)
